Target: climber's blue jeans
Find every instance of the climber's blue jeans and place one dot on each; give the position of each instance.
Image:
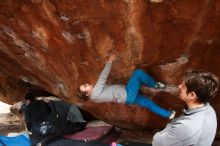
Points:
(138, 78)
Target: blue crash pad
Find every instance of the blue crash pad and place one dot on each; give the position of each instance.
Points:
(20, 140)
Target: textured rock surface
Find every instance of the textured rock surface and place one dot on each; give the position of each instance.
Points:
(58, 44)
(8, 122)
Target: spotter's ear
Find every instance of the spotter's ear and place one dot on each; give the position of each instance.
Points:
(193, 95)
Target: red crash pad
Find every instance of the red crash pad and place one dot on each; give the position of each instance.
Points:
(90, 133)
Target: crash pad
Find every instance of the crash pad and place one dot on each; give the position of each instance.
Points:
(20, 140)
(90, 133)
(70, 142)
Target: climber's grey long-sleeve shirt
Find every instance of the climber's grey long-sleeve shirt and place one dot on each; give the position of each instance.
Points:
(196, 127)
(108, 93)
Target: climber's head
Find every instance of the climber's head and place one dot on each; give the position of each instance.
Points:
(85, 89)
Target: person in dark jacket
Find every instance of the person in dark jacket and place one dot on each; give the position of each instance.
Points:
(47, 121)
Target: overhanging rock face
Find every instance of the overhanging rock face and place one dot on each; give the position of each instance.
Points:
(57, 45)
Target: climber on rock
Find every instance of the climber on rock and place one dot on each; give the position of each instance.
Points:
(129, 94)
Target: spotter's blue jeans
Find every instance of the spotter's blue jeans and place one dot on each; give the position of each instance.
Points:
(138, 78)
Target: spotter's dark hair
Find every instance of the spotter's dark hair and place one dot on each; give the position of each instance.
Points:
(204, 84)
